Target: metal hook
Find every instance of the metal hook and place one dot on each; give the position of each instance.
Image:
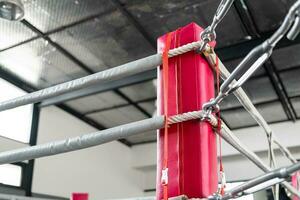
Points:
(222, 10)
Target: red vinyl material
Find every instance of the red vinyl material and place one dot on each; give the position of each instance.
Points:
(295, 184)
(192, 157)
(80, 196)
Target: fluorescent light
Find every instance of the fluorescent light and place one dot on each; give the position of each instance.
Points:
(11, 9)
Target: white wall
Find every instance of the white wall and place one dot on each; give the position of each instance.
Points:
(105, 172)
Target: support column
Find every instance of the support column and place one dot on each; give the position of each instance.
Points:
(192, 157)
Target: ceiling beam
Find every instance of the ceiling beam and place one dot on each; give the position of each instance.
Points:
(246, 18)
(280, 90)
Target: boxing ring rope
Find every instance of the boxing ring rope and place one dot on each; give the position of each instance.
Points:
(82, 142)
(260, 54)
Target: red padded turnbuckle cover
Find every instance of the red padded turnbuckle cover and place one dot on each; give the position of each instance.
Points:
(192, 152)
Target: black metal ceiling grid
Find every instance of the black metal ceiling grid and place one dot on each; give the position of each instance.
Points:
(268, 15)
(286, 58)
(83, 66)
(72, 27)
(13, 33)
(42, 65)
(112, 42)
(268, 21)
(48, 15)
(159, 17)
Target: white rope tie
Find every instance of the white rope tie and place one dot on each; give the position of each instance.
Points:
(185, 48)
(192, 116)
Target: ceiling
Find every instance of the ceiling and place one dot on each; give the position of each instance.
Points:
(60, 40)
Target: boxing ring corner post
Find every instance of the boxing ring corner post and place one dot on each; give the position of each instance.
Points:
(190, 144)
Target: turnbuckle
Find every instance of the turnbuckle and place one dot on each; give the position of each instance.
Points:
(209, 34)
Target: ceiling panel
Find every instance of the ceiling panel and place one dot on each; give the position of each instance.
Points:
(239, 118)
(272, 112)
(291, 81)
(39, 64)
(268, 14)
(104, 42)
(140, 91)
(47, 15)
(286, 58)
(149, 107)
(167, 16)
(149, 136)
(296, 104)
(119, 116)
(259, 90)
(96, 102)
(232, 64)
(230, 102)
(13, 33)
